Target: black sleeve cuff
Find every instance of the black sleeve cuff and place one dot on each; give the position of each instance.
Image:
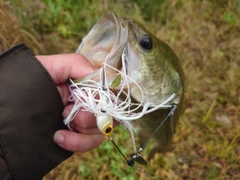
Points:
(30, 112)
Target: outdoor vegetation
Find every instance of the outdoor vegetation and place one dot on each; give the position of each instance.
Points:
(206, 37)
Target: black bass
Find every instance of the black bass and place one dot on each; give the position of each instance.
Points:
(148, 62)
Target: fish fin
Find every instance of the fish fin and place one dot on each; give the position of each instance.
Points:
(160, 149)
(143, 137)
(152, 153)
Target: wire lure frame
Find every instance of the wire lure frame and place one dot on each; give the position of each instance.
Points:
(137, 156)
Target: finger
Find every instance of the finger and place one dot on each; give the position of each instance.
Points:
(64, 66)
(64, 92)
(94, 130)
(83, 119)
(79, 129)
(88, 131)
(77, 142)
(115, 123)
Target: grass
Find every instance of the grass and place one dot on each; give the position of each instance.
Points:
(206, 37)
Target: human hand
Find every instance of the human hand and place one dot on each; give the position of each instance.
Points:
(62, 67)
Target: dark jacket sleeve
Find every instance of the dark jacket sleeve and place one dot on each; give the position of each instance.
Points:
(30, 112)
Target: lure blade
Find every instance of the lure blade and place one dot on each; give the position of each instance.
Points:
(138, 158)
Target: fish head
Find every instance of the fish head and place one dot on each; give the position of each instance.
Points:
(153, 65)
(149, 62)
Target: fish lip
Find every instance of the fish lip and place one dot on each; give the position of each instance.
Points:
(106, 41)
(125, 51)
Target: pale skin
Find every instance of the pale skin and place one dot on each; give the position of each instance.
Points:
(62, 67)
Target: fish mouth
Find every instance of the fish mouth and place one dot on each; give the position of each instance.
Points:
(106, 41)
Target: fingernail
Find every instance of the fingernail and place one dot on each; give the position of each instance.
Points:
(58, 138)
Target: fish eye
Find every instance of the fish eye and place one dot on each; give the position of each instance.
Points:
(146, 43)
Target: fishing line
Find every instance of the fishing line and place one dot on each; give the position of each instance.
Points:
(137, 156)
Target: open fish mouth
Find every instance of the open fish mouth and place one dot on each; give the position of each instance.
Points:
(106, 41)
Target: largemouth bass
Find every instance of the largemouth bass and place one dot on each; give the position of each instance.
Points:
(149, 63)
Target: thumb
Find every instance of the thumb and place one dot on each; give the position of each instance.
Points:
(61, 67)
(64, 66)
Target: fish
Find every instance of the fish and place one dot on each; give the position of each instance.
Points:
(149, 62)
